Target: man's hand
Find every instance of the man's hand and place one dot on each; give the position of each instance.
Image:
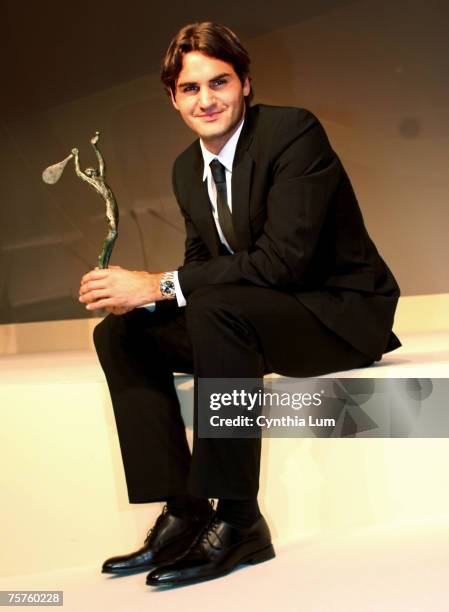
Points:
(118, 310)
(119, 290)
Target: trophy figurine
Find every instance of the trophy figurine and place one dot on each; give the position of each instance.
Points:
(96, 179)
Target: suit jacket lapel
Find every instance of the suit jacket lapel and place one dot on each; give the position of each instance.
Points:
(241, 183)
(204, 219)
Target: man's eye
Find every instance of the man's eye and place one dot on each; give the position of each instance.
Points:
(189, 88)
(219, 82)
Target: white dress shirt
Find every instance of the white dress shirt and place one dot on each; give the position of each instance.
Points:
(226, 157)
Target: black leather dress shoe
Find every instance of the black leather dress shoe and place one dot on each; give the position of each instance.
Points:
(216, 552)
(170, 537)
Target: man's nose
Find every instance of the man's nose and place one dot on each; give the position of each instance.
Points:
(206, 97)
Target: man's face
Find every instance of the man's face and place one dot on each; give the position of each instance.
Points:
(210, 98)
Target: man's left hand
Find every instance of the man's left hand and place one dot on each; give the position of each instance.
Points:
(119, 290)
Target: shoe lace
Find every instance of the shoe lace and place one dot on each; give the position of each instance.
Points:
(209, 531)
(156, 524)
(160, 518)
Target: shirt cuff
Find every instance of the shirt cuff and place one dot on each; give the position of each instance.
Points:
(179, 295)
(151, 306)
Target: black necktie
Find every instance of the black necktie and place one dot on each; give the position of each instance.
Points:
(224, 214)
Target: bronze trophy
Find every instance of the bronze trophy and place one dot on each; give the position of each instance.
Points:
(96, 179)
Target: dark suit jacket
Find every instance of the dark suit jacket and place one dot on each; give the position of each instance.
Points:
(298, 226)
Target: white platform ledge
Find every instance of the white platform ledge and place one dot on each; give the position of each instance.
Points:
(64, 502)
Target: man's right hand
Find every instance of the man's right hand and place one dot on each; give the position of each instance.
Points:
(118, 310)
(116, 287)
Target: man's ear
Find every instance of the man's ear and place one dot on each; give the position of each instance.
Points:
(246, 86)
(173, 99)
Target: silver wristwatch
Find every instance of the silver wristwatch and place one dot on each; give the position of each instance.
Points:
(167, 286)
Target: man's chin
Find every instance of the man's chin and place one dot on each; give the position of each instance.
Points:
(212, 133)
(214, 130)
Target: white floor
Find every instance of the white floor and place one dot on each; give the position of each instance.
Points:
(397, 568)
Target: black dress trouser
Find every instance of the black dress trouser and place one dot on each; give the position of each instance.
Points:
(225, 331)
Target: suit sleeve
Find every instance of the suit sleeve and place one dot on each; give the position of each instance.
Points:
(305, 173)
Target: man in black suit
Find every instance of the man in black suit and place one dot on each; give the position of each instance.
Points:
(279, 275)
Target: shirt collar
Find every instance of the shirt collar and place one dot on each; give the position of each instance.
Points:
(225, 155)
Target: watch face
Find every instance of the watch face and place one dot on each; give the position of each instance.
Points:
(168, 288)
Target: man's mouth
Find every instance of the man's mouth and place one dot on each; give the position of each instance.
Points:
(209, 116)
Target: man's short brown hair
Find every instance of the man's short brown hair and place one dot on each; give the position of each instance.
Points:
(212, 39)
